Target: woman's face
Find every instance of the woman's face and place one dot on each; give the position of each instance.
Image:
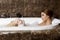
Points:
(44, 16)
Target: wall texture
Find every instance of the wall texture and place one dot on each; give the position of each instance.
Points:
(30, 8)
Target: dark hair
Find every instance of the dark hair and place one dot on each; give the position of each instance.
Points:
(48, 12)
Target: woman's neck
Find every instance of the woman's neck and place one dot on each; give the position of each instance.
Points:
(48, 21)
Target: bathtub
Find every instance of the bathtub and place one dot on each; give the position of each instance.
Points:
(31, 25)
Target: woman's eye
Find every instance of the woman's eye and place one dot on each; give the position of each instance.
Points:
(42, 15)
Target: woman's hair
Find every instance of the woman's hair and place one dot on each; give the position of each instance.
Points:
(48, 12)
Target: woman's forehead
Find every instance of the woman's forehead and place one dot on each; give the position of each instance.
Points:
(42, 13)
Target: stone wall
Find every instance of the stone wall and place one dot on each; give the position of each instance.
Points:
(29, 8)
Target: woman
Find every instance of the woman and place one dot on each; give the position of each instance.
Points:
(46, 16)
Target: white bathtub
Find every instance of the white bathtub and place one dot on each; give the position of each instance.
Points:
(31, 22)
